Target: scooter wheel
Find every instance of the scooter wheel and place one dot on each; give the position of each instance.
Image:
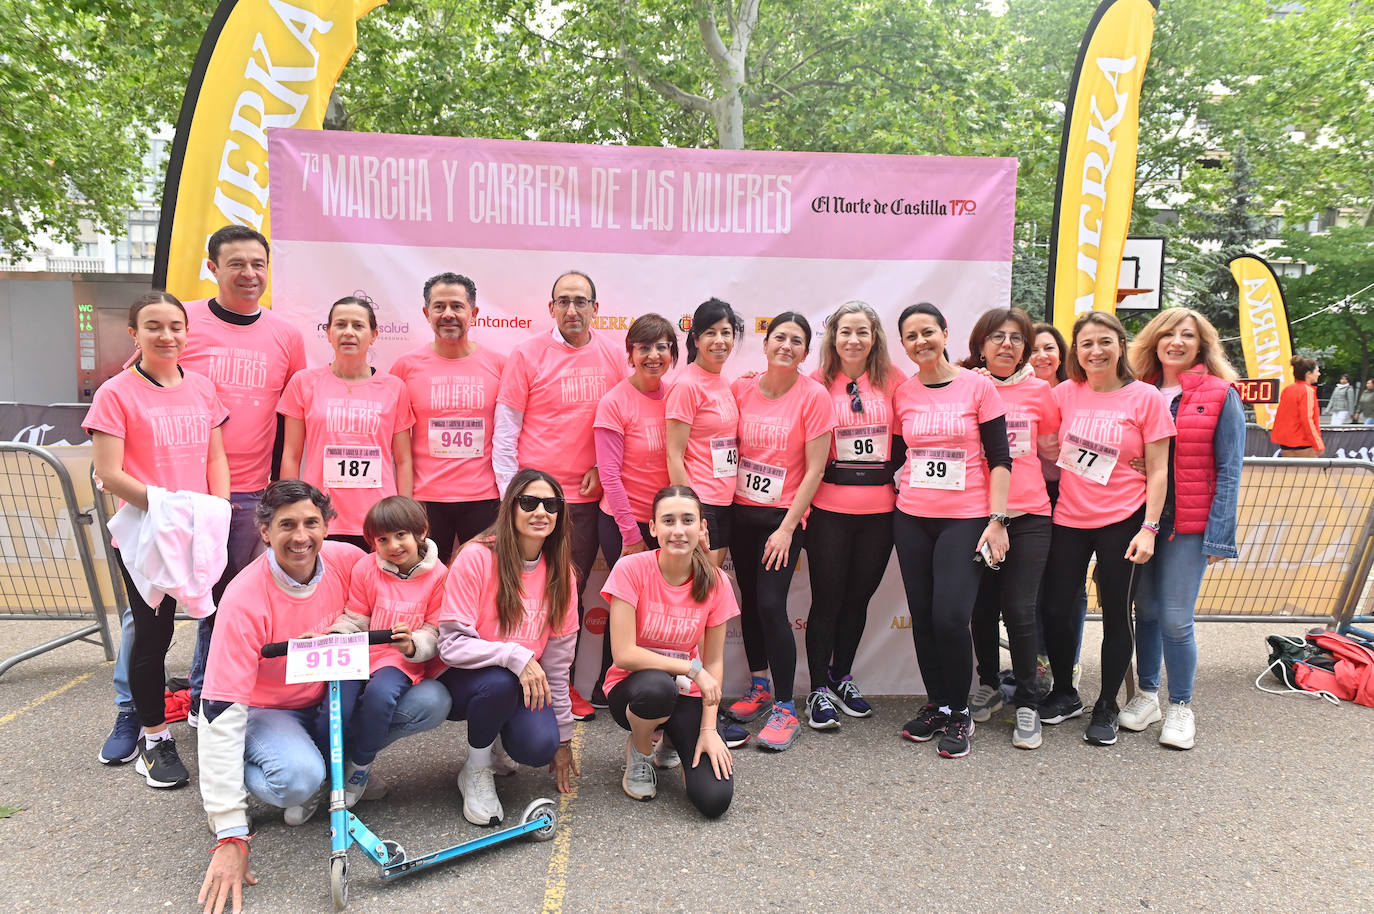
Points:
(394, 853)
(541, 807)
(338, 882)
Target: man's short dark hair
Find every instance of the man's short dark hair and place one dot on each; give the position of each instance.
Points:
(451, 279)
(562, 276)
(232, 233)
(285, 492)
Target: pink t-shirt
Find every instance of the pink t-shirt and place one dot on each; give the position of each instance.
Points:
(667, 620)
(1101, 434)
(470, 596)
(638, 419)
(249, 366)
(705, 402)
(166, 430)
(387, 599)
(865, 436)
(348, 430)
(1031, 412)
(557, 389)
(256, 610)
(944, 447)
(773, 436)
(454, 401)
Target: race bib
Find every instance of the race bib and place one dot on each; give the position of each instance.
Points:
(457, 439)
(868, 443)
(323, 659)
(938, 468)
(684, 685)
(1087, 458)
(1019, 437)
(759, 482)
(724, 457)
(352, 467)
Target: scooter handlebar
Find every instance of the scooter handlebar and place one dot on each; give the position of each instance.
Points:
(374, 636)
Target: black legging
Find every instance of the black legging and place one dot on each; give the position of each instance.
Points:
(941, 581)
(653, 694)
(763, 621)
(453, 523)
(148, 666)
(846, 557)
(1070, 550)
(1012, 593)
(582, 517)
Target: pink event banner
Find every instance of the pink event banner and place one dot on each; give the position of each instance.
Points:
(420, 191)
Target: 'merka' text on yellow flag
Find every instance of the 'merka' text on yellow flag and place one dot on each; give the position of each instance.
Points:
(1092, 212)
(1264, 332)
(262, 64)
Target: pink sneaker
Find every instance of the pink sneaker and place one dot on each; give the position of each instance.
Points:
(781, 730)
(757, 701)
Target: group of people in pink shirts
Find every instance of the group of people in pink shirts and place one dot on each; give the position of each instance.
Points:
(460, 497)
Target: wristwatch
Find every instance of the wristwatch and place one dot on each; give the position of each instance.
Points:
(1002, 519)
(694, 668)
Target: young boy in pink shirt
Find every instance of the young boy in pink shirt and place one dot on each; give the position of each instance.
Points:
(399, 586)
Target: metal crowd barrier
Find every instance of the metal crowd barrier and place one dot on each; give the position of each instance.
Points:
(47, 572)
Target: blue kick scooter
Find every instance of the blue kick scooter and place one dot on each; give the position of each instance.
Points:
(537, 823)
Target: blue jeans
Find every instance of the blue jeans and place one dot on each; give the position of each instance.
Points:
(367, 707)
(492, 701)
(244, 545)
(124, 661)
(283, 765)
(1164, 602)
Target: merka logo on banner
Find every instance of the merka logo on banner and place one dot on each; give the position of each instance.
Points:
(610, 322)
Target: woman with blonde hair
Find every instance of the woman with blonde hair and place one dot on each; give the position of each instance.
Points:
(1180, 353)
(849, 534)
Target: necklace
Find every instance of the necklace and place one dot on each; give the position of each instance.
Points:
(349, 382)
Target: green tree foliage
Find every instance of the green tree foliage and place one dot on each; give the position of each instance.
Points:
(1333, 306)
(84, 83)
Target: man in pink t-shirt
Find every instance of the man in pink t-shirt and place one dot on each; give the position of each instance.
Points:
(453, 384)
(549, 392)
(249, 354)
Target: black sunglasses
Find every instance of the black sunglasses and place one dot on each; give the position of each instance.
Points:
(856, 403)
(527, 503)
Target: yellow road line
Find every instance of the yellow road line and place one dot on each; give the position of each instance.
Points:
(38, 701)
(556, 878)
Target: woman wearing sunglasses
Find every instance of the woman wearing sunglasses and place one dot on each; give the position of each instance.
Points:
(510, 602)
(348, 426)
(849, 533)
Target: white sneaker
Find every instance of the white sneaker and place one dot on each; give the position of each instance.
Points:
(1179, 728)
(640, 781)
(665, 756)
(299, 815)
(984, 702)
(376, 787)
(501, 763)
(1140, 711)
(481, 806)
(355, 784)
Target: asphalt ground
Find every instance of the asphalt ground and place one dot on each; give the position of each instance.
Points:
(1271, 811)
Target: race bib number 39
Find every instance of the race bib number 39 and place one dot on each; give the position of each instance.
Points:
(862, 442)
(938, 468)
(352, 467)
(1019, 437)
(759, 482)
(457, 439)
(330, 657)
(1088, 458)
(724, 457)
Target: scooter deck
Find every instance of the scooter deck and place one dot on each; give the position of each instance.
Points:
(406, 866)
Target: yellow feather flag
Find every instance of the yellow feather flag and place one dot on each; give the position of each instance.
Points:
(1092, 211)
(262, 64)
(1264, 332)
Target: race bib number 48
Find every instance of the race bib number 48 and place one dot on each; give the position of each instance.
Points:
(352, 467)
(1088, 459)
(759, 482)
(938, 468)
(330, 657)
(724, 457)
